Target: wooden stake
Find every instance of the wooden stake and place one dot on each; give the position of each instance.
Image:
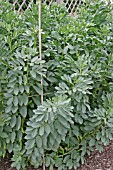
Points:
(40, 46)
(40, 54)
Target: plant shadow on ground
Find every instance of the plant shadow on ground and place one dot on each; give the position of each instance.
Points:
(97, 161)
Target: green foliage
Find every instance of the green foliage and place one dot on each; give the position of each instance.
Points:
(48, 127)
(77, 72)
(19, 158)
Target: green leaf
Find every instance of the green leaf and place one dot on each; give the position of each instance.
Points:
(34, 133)
(92, 142)
(52, 79)
(51, 167)
(19, 135)
(41, 150)
(21, 102)
(39, 118)
(78, 118)
(25, 99)
(30, 144)
(99, 148)
(13, 79)
(110, 124)
(82, 159)
(62, 120)
(8, 129)
(98, 135)
(41, 131)
(9, 102)
(103, 139)
(8, 109)
(69, 163)
(51, 139)
(78, 158)
(15, 100)
(10, 147)
(39, 141)
(16, 90)
(25, 79)
(33, 74)
(23, 111)
(36, 152)
(66, 158)
(38, 90)
(47, 160)
(27, 88)
(21, 88)
(3, 135)
(13, 136)
(103, 131)
(36, 100)
(44, 140)
(14, 109)
(34, 59)
(47, 128)
(18, 123)
(13, 121)
(20, 80)
(58, 162)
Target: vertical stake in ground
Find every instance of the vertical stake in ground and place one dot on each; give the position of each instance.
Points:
(40, 46)
(40, 54)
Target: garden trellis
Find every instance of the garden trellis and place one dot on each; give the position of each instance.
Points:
(25, 4)
(71, 5)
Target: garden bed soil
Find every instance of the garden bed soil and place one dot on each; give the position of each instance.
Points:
(97, 161)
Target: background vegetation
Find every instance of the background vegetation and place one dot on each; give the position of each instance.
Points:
(77, 71)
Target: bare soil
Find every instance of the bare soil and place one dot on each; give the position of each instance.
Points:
(97, 161)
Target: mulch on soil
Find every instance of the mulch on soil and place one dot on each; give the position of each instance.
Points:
(97, 161)
(100, 161)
